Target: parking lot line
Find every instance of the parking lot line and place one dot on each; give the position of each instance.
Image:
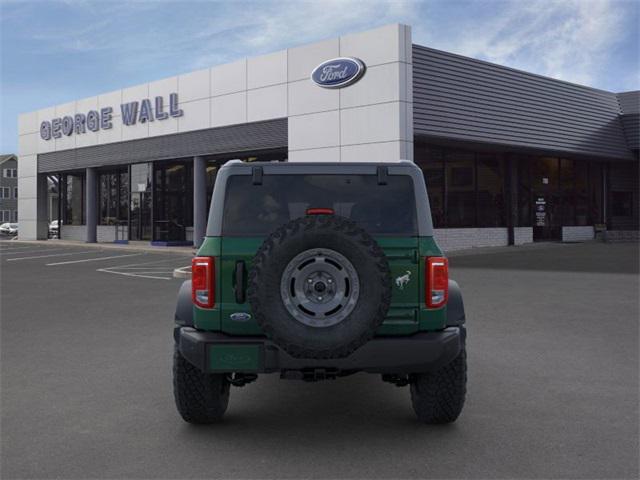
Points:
(138, 275)
(92, 259)
(143, 270)
(51, 255)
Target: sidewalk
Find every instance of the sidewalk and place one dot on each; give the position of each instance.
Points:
(512, 248)
(131, 246)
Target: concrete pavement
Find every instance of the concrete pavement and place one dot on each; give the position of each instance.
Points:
(553, 381)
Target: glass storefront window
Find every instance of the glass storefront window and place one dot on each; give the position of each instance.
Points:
(140, 201)
(430, 160)
(567, 191)
(123, 196)
(581, 196)
(113, 198)
(173, 201)
(524, 190)
(491, 201)
(141, 177)
(621, 204)
(460, 177)
(596, 189)
(73, 199)
(469, 189)
(623, 211)
(53, 197)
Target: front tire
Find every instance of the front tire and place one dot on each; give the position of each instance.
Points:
(438, 397)
(201, 398)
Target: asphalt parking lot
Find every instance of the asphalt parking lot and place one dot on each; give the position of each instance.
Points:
(553, 378)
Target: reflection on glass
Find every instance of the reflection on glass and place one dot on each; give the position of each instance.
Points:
(461, 188)
(73, 207)
(491, 204)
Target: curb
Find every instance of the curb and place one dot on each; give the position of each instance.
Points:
(187, 251)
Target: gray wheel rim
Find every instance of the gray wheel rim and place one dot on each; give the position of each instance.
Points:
(320, 287)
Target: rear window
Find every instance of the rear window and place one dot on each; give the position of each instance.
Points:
(379, 209)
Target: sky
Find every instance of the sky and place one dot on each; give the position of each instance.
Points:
(55, 51)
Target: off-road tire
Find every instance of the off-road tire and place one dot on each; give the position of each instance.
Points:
(438, 397)
(200, 397)
(306, 233)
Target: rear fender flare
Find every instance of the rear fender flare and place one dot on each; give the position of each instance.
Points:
(184, 306)
(455, 306)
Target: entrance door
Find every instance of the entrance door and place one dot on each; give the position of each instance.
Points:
(140, 219)
(547, 223)
(173, 201)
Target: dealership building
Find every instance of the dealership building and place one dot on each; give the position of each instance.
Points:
(509, 157)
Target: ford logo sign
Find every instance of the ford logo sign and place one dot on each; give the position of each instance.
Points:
(338, 73)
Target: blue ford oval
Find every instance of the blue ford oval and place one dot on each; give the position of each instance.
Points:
(338, 72)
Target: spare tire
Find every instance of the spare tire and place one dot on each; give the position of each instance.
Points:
(320, 286)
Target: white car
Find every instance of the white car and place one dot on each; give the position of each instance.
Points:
(54, 229)
(9, 228)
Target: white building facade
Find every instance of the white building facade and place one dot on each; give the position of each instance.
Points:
(139, 163)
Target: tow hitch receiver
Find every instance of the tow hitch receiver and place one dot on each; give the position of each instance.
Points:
(310, 375)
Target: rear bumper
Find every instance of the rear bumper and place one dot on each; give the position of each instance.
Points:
(421, 352)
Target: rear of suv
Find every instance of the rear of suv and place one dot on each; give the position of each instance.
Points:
(317, 271)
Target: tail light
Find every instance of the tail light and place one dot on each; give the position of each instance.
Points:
(320, 211)
(203, 281)
(437, 281)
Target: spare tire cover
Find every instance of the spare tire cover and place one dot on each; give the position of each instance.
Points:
(320, 286)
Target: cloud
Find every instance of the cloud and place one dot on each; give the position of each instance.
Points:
(107, 45)
(569, 40)
(267, 26)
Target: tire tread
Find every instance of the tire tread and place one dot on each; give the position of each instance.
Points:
(308, 223)
(200, 397)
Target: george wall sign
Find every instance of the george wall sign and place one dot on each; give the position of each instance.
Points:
(338, 72)
(94, 120)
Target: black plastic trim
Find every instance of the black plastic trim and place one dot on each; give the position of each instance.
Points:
(184, 306)
(421, 352)
(240, 279)
(455, 305)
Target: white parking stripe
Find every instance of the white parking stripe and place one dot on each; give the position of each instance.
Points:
(164, 260)
(138, 275)
(52, 255)
(144, 270)
(92, 259)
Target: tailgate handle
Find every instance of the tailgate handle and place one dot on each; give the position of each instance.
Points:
(239, 277)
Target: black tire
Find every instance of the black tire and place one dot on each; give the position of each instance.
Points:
(200, 397)
(438, 397)
(366, 313)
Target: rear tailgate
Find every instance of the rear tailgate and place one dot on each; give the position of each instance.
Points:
(235, 262)
(406, 281)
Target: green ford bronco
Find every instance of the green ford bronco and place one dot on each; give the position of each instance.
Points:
(317, 271)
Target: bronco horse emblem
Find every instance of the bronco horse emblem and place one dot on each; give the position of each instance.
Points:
(402, 280)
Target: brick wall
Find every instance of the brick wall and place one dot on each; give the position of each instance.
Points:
(461, 238)
(615, 236)
(107, 233)
(577, 234)
(73, 232)
(522, 235)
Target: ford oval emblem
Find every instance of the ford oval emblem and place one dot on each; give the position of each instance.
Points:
(240, 317)
(339, 72)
